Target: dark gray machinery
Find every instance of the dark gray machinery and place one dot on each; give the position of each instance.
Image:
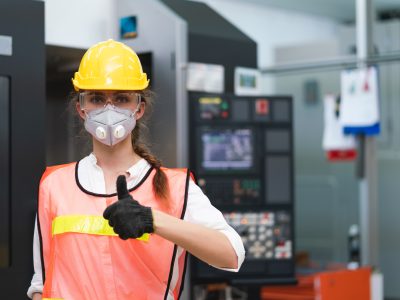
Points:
(22, 142)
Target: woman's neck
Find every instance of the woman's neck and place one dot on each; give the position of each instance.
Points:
(117, 158)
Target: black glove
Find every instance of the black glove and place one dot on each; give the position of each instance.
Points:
(128, 218)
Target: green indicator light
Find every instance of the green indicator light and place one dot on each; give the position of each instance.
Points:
(224, 105)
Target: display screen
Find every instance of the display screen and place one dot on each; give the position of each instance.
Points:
(247, 80)
(227, 149)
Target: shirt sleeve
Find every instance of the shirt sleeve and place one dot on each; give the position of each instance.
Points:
(200, 211)
(43, 223)
(37, 280)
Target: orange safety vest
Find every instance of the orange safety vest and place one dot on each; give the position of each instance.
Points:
(82, 257)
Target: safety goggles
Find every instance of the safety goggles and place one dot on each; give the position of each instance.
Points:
(91, 100)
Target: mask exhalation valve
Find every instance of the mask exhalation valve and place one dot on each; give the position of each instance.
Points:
(119, 132)
(101, 133)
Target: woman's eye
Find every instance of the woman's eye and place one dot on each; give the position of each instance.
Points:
(97, 99)
(122, 99)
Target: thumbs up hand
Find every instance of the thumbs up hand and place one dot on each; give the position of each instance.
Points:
(128, 218)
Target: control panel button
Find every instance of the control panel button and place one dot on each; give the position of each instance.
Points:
(270, 239)
(262, 107)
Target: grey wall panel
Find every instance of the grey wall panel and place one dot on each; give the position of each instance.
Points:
(324, 211)
(312, 195)
(315, 221)
(389, 208)
(389, 168)
(294, 54)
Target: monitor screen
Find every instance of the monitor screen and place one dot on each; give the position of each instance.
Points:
(227, 149)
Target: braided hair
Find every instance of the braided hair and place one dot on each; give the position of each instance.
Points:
(139, 143)
(160, 180)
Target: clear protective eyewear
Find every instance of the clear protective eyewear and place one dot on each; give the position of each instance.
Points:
(91, 100)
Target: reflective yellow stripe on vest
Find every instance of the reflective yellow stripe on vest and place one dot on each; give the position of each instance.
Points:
(86, 224)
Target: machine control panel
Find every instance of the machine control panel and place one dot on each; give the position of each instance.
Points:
(213, 108)
(241, 153)
(265, 235)
(233, 191)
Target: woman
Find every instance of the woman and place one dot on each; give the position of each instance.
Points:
(115, 225)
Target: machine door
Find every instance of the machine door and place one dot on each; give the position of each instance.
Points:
(22, 155)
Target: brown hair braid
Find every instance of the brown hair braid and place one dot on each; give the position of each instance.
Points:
(160, 180)
(139, 137)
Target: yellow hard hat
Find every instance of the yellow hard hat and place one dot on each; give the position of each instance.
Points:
(110, 65)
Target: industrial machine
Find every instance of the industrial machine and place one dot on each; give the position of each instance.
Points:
(242, 156)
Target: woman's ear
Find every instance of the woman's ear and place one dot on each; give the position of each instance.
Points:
(80, 110)
(141, 110)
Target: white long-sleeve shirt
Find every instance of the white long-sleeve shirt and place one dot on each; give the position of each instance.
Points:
(199, 210)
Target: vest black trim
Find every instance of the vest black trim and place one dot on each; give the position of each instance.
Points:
(171, 270)
(40, 243)
(107, 195)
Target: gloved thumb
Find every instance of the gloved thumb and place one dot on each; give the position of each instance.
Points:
(122, 189)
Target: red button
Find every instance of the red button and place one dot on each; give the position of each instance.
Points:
(224, 114)
(262, 107)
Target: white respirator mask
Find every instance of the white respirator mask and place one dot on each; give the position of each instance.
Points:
(110, 125)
